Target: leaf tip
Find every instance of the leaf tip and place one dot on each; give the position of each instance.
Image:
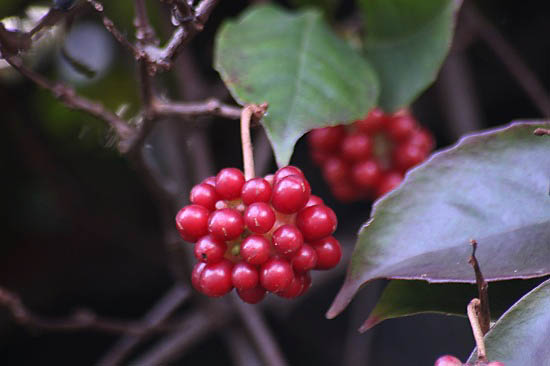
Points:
(369, 323)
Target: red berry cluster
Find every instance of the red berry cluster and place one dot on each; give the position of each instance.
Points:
(369, 158)
(260, 235)
(449, 360)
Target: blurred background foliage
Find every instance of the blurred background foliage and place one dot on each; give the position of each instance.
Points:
(81, 228)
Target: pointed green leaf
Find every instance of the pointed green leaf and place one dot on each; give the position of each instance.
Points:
(492, 186)
(404, 298)
(309, 77)
(520, 337)
(406, 42)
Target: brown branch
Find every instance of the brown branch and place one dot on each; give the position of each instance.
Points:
(144, 32)
(483, 293)
(70, 98)
(160, 312)
(194, 109)
(80, 320)
(473, 316)
(542, 132)
(510, 58)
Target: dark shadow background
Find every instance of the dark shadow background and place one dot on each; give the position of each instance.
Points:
(80, 228)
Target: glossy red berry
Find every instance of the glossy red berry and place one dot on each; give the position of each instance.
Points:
(287, 239)
(255, 249)
(374, 121)
(448, 360)
(305, 278)
(356, 147)
(290, 194)
(314, 200)
(421, 138)
(389, 182)
(495, 363)
(210, 181)
(407, 155)
(366, 174)
(196, 275)
(305, 259)
(204, 195)
(259, 217)
(252, 296)
(215, 279)
(328, 252)
(345, 191)
(400, 126)
(293, 290)
(256, 190)
(192, 222)
(316, 222)
(276, 275)
(226, 224)
(229, 183)
(335, 170)
(286, 171)
(209, 249)
(244, 276)
(327, 139)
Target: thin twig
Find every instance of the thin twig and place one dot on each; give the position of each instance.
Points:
(211, 107)
(71, 99)
(80, 320)
(542, 132)
(248, 113)
(158, 314)
(483, 293)
(473, 313)
(510, 58)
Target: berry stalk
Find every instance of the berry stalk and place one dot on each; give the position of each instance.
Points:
(249, 111)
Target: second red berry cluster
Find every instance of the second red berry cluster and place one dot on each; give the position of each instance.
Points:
(261, 235)
(369, 158)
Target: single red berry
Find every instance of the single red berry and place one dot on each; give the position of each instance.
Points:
(448, 360)
(210, 181)
(316, 222)
(276, 275)
(192, 222)
(290, 194)
(293, 290)
(319, 157)
(495, 363)
(366, 174)
(422, 138)
(305, 259)
(305, 278)
(356, 147)
(252, 296)
(328, 252)
(215, 279)
(226, 224)
(287, 239)
(196, 275)
(345, 191)
(335, 170)
(327, 138)
(374, 121)
(209, 249)
(255, 249)
(256, 190)
(245, 276)
(229, 183)
(286, 171)
(389, 182)
(407, 155)
(259, 217)
(401, 126)
(314, 200)
(205, 195)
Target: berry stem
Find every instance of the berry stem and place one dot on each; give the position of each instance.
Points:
(249, 111)
(483, 291)
(542, 131)
(473, 311)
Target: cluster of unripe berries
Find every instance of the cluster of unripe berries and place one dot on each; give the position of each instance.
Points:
(261, 235)
(448, 360)
(369, 158)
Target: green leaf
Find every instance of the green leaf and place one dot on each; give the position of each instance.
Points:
(309, 77)
(404, 298)
(328, 6)
(406, 42)
(492, 186)
(520, 336)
